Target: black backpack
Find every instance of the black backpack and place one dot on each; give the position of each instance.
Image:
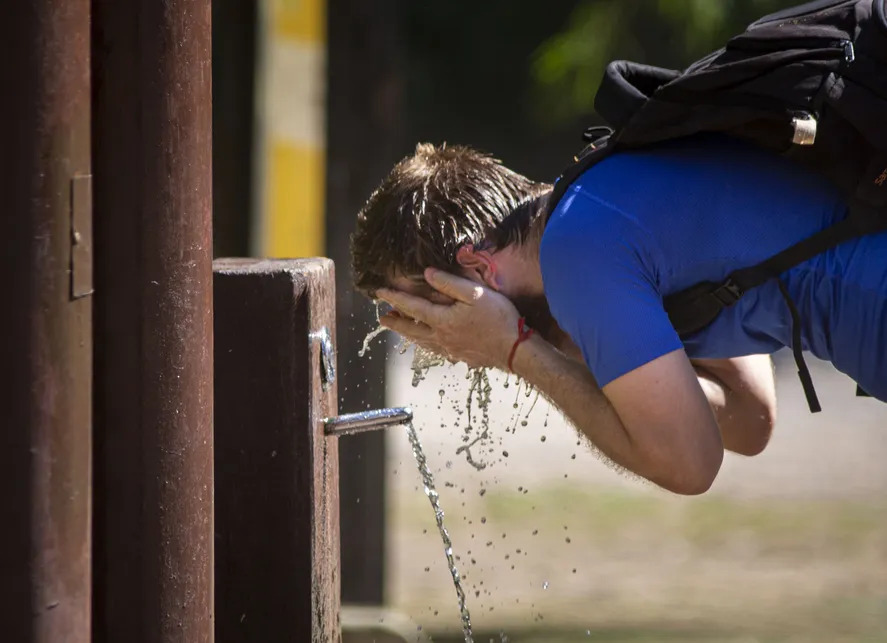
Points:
(808, 82)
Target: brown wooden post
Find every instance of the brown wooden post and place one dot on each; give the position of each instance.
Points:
(364, 125)
(277, 513)
(45, 327)
(153, 406)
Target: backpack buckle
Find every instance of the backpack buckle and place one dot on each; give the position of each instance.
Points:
(594, 134)
(849, 52)
(728, 293)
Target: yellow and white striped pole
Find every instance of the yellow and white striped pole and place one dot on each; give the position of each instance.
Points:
(291, 155)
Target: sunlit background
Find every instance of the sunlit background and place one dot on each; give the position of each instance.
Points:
(313, 101)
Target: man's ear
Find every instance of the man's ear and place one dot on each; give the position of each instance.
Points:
(479, 263)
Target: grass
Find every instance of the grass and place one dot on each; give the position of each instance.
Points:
(836, 528)
(631, 635)
(653, 567)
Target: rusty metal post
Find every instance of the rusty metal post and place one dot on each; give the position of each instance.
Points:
(153, 401)
(46, 346)
(277, 511)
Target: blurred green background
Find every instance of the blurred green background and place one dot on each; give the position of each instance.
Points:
(518, 79)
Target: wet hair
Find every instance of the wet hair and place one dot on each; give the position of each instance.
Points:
(434, 202)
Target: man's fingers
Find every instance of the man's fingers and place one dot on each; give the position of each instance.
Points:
(457, 288)
(415, 307)
(411, 329)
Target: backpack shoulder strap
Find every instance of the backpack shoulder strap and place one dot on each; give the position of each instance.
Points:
(625, 89)
(591, 155)
(694, 308)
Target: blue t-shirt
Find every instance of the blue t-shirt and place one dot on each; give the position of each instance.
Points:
(644, 224)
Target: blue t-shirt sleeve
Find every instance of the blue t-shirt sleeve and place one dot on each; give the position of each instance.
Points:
(600, 286)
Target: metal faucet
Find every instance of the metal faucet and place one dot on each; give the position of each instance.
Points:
(351, 423)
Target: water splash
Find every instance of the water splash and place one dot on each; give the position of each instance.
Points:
(378, 330)
(370, 337)
(434, 498)
(466, 449)
(480, 393)
(423, 361)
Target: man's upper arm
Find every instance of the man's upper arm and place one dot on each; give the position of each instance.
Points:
(601, 291)
(603, 295)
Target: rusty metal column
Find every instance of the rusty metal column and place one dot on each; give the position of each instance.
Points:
(153, 404)
(46, 347)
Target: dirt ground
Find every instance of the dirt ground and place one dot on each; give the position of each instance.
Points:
(556, 546)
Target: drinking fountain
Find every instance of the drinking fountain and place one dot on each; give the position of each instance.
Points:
(351, 423)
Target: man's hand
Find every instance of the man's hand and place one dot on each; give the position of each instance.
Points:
(478, 328)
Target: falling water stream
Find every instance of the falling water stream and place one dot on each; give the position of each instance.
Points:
(431, 492)
(480, 390)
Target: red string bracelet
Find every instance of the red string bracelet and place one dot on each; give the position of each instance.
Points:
(524, 333)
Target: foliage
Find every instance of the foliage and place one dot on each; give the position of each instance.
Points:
(566, 69)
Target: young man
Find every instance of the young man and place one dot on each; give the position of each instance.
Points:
(455, 243)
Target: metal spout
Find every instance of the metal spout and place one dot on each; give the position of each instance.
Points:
(367, 421)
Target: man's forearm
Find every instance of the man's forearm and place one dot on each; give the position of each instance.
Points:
(571, 387)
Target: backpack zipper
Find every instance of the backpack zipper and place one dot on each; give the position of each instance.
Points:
(799, 14)
(843, 46)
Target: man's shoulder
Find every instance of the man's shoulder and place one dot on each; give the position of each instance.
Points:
(580, 224)
(589, 242)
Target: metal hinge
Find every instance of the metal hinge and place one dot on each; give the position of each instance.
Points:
(327, 356)
(81, 236)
